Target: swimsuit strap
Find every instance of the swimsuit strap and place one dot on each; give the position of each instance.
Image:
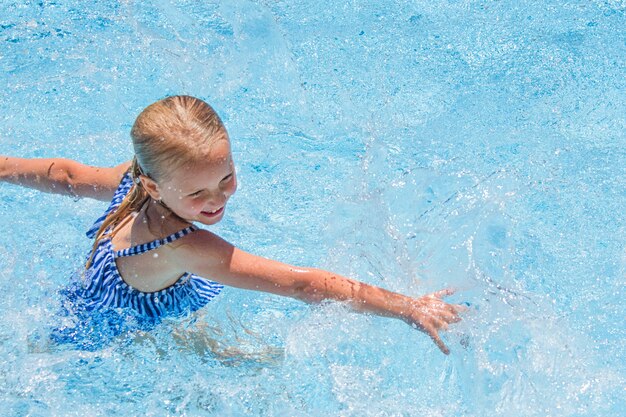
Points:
(145, 247)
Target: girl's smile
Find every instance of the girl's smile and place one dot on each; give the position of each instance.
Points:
(212, 214)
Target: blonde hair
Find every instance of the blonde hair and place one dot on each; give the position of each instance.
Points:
(168, 134)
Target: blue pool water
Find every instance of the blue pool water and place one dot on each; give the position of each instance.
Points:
(418, 145)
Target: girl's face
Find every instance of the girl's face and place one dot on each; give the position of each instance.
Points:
(199, 192)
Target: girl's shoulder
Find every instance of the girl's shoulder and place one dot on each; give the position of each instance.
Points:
(201, 249)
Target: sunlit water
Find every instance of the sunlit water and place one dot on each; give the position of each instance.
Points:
(474, 144)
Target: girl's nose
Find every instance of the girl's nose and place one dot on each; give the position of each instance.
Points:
(216, 201)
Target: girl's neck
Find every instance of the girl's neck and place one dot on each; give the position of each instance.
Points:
(159, 219)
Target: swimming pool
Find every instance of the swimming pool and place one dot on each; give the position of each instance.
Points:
(475, 144)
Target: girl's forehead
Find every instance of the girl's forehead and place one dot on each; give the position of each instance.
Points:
(215, 162)
(216, 154)
(220, 149)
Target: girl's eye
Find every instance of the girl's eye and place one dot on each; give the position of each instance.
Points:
(225, 179)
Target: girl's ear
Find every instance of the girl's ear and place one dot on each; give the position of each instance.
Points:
(150, 186)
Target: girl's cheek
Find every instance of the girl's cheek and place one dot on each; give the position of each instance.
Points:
(195, 206)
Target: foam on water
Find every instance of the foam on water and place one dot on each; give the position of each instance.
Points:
(475, 144)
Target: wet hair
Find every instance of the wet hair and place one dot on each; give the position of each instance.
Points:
(169, 134)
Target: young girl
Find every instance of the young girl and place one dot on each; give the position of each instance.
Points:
(148, 257)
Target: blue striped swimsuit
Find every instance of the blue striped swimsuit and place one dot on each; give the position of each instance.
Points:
(102, 295)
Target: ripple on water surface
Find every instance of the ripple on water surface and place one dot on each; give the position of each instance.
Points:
(473, 144)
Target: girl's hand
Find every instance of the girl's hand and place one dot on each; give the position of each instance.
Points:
(431, 314)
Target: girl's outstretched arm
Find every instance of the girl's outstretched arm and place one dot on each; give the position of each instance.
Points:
(62, 176)
(210, 256)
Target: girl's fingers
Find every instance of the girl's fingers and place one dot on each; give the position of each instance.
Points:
(450, 317)
(459, 308)
(443, 293)
(445, 315)
(442, 346)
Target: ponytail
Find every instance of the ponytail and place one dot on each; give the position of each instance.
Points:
(134, 199)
